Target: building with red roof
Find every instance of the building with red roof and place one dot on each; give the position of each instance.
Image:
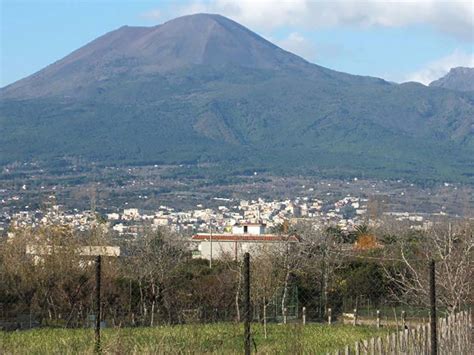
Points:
(244, 238)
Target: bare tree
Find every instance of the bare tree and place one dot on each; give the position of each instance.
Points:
(451, 245)
(267, 278)
(154, 257)
(321, 254)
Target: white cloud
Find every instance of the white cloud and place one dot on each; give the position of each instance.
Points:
(438, 68)
(454, 17)
(298, 44)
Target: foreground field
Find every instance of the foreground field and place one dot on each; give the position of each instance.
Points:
(210, 338)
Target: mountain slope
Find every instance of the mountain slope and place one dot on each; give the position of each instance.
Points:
(460, 78)
(202, 88)
(135, 51)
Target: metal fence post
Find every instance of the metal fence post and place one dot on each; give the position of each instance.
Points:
(433, 319)
(97, 301)
(247, 303)
(304, 315)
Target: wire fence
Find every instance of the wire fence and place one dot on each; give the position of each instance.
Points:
(155, 284)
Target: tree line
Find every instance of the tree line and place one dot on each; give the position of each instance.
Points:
(157, 281)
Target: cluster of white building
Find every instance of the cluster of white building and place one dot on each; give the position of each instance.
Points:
(224, 217)
(226, 231)
(78, 220)
(200, 219)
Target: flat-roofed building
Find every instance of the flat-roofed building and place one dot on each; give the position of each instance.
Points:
(244, 238)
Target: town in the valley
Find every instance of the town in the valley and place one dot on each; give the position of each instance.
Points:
(346, 214)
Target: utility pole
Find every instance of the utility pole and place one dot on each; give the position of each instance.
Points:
(98, 261)
(86, 251)
(247, 315)
(210, 258)
(433, 320)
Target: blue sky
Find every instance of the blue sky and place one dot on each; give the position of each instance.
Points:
(399, 41)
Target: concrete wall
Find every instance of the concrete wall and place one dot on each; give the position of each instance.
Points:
(233, 249)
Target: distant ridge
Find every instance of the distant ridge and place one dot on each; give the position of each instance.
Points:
(202, 88)
(460, 78)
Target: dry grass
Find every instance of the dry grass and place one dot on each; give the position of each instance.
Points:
(184, 339)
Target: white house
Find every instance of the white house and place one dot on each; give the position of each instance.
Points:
(161, 221)
(244, 238)
(249, 228)
(130, 213)
(113, 216)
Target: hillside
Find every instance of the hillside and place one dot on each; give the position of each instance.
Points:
(460, 78)
(202, 88)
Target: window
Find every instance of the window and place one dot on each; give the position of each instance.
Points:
(246, 229)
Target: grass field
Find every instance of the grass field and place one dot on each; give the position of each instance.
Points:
(218, 338)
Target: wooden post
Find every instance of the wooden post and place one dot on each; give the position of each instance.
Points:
(98, 262)
(372, 346)
(366, 346)
(285, 313)
(346, 350)
(355, 317)
(379, 345)
(247, 303)
(304, 315)
(406, 338)
(329, 316)
(426, 334)
(378, 318)
(449, 326)
(210, 255)
(357, 348)
(433, 323)
(400, 341)
(414, 339)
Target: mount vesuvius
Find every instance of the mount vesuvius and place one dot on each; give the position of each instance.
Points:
(202, 88)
